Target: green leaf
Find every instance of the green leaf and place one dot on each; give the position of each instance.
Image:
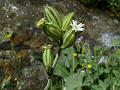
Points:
(103, 85)
(96, 87)
(61, 70)
(118, 83)
(74, 82)
(68, 59)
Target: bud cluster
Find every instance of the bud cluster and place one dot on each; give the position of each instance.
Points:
(61, 30)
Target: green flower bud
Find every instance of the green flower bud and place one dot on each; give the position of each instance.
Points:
(53, 31)
(51, 14)
(66, 21)
(41, 23)
(68, 39)
(48, 57)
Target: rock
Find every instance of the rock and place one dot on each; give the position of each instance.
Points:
(20, 37)
(38, 42)
(33, 77)
(6, 73)
(22, 55)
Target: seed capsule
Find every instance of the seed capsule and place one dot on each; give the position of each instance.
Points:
(68, 39)
(66, 21)
(48, 57)
(53, 31)
(51, 14)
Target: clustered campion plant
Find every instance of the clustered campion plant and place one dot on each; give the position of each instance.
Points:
(78, 71)
(63, 31)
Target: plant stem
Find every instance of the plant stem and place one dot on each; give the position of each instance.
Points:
(116, 83)
(52, 69)
(48, 84)
(56, 59)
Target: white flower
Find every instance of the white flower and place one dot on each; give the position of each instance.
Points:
(102, 61)
(77, 27)
(83, 71)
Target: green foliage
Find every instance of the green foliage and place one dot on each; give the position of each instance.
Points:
(116, 42)
(79, 70)
(103, 85)
(57, 28)
(99, 77)
(113, 5)
(74, 81)
(61, 70)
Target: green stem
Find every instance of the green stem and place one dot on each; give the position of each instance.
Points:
(48, 84)
(116, 83)
(52, 69)
(55, 61)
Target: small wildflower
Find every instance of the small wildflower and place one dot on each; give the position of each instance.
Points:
(83, 71)
(102, 61)
(89, 66)
(77, 27)
(9, 35)
(74, 54)
(79, 40)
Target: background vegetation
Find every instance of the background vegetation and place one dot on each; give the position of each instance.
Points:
(112, 5)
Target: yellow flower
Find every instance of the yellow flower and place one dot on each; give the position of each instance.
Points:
(74, 54)
(8, 36)
(89, 66)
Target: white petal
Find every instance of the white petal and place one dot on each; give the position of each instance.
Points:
(77, 27)
(74, 22)
(81, 29)
(81, 25)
